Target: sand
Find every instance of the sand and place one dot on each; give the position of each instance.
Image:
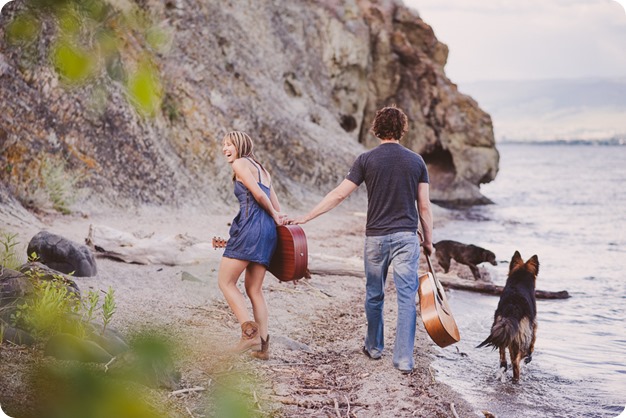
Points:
(316, 325)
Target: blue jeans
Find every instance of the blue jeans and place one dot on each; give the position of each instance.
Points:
(401, 250)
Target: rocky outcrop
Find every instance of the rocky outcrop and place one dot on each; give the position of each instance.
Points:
(303, 78)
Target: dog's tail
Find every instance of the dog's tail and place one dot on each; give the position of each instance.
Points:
(503, 332)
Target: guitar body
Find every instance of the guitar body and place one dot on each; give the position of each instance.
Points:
(291, 257)
(435, 311)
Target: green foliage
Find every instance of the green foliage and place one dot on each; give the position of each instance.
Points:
(53, 308)
(58, 183)
(49, 310)
(48, 185)
(8, 251)
(145, 89)
(108, 308)
(233, 397)
(24, 29)
(72, 62)
(77, 392)
(90, 305)
(95, 40)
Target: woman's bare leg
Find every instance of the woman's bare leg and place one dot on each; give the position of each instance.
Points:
(255, 274)
(227, 276)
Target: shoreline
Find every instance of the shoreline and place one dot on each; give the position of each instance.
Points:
(317, 325)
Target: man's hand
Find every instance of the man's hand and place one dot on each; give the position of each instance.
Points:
(428, 248)
(297, 221)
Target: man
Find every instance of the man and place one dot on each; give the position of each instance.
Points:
(396, 178)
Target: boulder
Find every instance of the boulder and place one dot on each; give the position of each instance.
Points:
(63, 255)
(69, 347)
(42, 272)
(14, 335)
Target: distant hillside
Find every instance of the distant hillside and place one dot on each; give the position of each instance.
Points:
(584, 109)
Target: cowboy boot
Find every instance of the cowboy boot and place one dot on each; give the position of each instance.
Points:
(264, 353)
(250, 338)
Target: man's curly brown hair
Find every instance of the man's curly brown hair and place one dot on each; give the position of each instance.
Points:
(390, 123)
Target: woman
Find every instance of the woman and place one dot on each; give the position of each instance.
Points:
(251, 244)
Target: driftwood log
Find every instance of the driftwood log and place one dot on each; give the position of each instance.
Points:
(324, 265)
(169, 250)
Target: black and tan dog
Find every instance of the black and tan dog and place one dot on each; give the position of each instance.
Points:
(515, 324)
(470, 255)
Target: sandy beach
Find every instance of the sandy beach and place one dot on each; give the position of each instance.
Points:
(316, 325)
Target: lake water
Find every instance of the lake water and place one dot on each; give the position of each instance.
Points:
(567, 204)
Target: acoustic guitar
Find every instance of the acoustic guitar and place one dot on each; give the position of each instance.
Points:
(435, 311)
(291, 258)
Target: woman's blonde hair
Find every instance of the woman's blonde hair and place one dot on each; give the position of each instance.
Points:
(242, 142)
(244, 145)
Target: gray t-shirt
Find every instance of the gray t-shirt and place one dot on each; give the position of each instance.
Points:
(391, 173)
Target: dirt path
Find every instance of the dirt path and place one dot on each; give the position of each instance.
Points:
(316, 327)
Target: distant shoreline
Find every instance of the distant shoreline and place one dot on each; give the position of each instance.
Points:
(617, 141)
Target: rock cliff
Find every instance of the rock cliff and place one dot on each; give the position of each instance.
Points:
(304, 78)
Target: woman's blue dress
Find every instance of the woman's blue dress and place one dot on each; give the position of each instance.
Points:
(253, 234)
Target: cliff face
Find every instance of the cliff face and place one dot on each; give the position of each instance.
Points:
(304, 78)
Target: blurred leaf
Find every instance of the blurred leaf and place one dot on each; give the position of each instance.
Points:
(158, 39)
(108, 43)
(72, 62)
(95, 9)
(75, 392)
(145, 90)
(23, 29)
(69, 23)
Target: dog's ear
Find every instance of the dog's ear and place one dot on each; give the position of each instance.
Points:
(516, 262)
(532, 265)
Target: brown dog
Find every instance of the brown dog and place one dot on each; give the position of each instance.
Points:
(515, 324)
(470, 255)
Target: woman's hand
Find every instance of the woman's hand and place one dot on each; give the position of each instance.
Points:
(280, 218)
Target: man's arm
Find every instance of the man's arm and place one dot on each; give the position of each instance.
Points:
(426, 216)
(330, 201)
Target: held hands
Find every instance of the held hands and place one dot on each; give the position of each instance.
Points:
(280, 218)
(297, 221)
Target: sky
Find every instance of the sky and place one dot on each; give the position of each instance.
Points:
(529, 39)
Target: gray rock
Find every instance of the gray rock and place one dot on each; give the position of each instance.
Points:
(40, 271)
(15, 335)
(291, 344)
(69, 347)
(63, 255)
(111, 340)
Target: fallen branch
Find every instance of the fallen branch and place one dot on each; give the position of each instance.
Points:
(492, 289)
(188, 390)
(321, 271)
(446, 280)
(453, 410)
(313, 404)
(320, 291)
